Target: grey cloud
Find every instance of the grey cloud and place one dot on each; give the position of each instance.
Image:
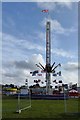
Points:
(11, 75)
(24, 65)
(17, 71)
(71, 66)
(29, 64)
(11, 43)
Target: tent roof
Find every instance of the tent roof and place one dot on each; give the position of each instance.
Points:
(73, 91)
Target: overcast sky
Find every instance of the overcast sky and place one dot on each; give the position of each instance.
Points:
(23, 36)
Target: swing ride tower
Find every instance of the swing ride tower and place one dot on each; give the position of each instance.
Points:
(48, 56)
(48, 69)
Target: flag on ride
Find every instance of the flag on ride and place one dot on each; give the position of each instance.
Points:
(39, 80)
(35, 81)
(55, 82)
(45, 10)
(26, 80)
(54, 74)
(39, 74)
(42, 82)
(60, 81)
(59, 73)
(34, 72)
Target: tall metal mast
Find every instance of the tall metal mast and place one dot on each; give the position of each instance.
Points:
(48, 56)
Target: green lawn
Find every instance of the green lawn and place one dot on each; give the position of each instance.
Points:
(41, 109)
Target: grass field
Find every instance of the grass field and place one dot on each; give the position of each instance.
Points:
(42, 109)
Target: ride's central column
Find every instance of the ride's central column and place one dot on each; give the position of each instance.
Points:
(48, 57)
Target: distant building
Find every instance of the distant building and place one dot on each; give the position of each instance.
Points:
(10, 91)
(78, 89)
(24, 90)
